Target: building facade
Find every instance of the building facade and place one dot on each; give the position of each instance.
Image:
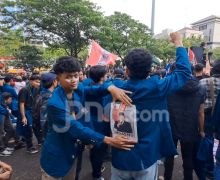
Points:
(210, 26)
(165, 34)
(190, 32)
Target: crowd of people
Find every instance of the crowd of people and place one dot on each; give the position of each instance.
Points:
(54, 107)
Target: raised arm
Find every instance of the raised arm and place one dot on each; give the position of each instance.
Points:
(181, 74)
(106, 88)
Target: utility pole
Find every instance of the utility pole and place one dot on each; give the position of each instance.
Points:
(153, 17)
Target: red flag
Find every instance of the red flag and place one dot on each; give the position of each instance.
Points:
(98, 55)
(192, 57)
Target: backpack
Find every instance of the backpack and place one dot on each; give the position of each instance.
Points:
(40, 101)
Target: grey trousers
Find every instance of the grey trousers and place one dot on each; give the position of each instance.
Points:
(69, 176)
(6, 132)
(150, 173)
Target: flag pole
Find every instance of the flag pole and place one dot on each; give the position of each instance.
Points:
(153, 17)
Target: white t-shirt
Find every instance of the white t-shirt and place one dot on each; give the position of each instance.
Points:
(19, 85)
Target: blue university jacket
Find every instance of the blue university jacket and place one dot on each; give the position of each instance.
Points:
(9, 89)
(154, 132)
(216, 121)
(60, 147)
(3, 112)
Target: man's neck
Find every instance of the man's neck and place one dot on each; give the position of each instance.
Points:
(199, 74)
(69, 93)
(51, 89)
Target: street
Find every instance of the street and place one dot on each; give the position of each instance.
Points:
(26, 167)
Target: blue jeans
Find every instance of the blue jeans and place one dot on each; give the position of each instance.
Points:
(217, 166)
(217, 170)
(150, 173)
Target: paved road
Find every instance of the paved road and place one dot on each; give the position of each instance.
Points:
(26, 167)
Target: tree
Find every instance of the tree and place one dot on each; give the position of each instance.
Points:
(64, 24)
(216, 53)
(50, 55)
(163, 49)
(10, 40)
(120, 33)
(28, 57)
(193, 41)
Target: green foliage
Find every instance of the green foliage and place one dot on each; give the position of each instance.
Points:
(66, 24)
(10, 40)
(163, 49)
(193, 41)
(50, 55)
(28, 57)
(120, 33)
(216, 53)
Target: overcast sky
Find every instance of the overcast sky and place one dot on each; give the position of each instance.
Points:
(173, 14)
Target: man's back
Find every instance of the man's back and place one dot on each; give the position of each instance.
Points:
(184, 108)
(154, 132)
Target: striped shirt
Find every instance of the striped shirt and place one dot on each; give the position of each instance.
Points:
(216, 86)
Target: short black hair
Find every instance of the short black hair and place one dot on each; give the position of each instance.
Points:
(202, 44)
(35, 77)
(6, 95)
(198, 67)
(47, 84)
(216, 67)
(24, 78)
(97, 72)
(163, 73)
(119, 73)
(139, 62)
(8, 78)
(66, 64)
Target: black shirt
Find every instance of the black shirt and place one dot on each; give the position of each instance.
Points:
(27, 95)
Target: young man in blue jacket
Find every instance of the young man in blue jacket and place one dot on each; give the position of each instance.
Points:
(8, 88)
(149, 95)
(65, 114)
(98, 152)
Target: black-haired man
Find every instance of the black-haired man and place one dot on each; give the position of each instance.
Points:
(212, 86)
(6, 125)
(198, 71)
(25, 100)
(39, 114)
(149, 95)
(64, 120)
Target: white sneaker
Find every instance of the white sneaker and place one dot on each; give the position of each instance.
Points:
(5, 153)
(101, 178)
(159, 162)
(11, 149)
(160, 178)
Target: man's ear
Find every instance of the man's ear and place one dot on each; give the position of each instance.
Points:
(127, 71)
(58, 77)
(102, 80)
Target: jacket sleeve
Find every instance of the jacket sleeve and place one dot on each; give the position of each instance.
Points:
(14, 94)
(180, 75)
(62, 122)
(3, 111)
(97, 91)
